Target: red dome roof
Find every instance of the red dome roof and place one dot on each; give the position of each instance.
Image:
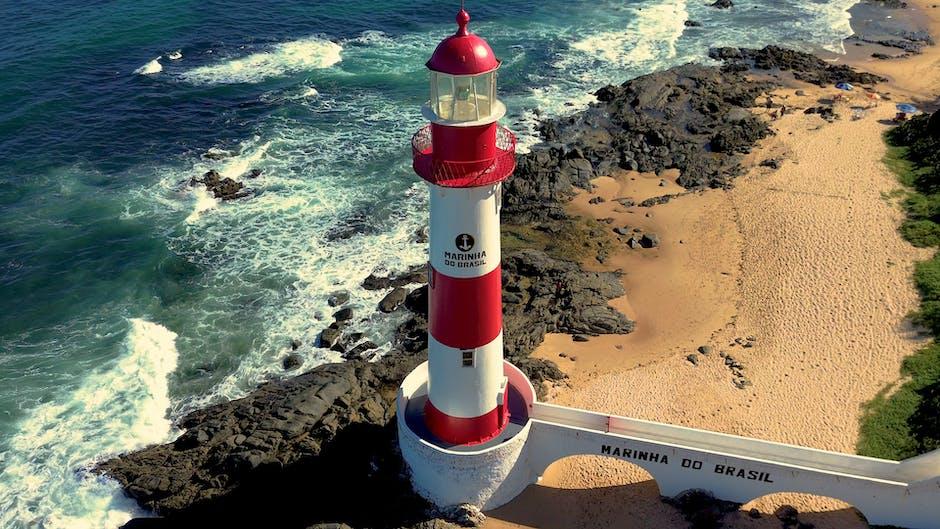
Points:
(463, 53)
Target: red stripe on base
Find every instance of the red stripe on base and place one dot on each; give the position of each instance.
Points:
(465, 312)
(466, 431)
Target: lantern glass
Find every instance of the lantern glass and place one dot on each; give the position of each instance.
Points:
(463, 97)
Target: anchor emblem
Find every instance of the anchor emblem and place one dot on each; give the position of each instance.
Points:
(464, 242)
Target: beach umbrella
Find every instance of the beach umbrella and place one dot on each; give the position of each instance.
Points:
(907, 108)
(844, 86)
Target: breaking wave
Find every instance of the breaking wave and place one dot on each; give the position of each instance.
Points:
(299, 55)
(45, 481)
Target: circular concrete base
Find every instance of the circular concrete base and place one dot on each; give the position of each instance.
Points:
(486, 475)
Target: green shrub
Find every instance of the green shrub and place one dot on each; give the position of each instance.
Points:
(904, 421)
(921, 233)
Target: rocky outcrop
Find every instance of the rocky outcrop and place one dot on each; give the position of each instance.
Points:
(221, 188)
(804, 66)
(692, 118)
(258, 461)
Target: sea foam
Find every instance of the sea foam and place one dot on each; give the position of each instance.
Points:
(44, 482)
(150, 68)
(299, 55)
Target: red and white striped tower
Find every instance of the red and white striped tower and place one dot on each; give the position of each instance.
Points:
(464, 155)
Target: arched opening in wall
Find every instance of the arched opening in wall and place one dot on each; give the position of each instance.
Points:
(796, 510)
(589, 492)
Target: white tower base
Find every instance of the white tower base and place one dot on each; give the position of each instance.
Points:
(732, 468)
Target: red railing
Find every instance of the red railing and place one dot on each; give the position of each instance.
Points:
(448, 173)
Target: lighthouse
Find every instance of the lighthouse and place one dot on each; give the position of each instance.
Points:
(464, 155)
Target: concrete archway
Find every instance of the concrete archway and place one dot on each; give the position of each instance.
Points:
(619, 494)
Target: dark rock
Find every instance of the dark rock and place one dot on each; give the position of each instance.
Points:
(787, 514)
(338, 298)
(344, 314)
(773, 163)
(596, 200)
(393, 299)
(357, 351)
(295, 344)
(329, 337)
(417, 274)
(625, 230)
(649, 240)
(701, 509)
(255, 173)
(693, 24)
(293, 361)
(657, 201)
(221, 188)
(803, 66)
(693, 359)
(579, 338)
(723, 4)
(754, 513)
(882, 56)
(705, 349)
(826, 112)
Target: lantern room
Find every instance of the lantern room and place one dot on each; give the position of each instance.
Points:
(463, 78)
(463, 146)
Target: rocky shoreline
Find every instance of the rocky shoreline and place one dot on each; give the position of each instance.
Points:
(320, 448)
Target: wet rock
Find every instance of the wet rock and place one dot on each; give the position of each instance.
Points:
(417, 274)
(393, 299)
(221, 188)
(693, 24)
(338, 298)
(344, 314)
(293, 361)
(254, 173)
(329, 337)
(361, 348)
(295, 344)
(723, 4)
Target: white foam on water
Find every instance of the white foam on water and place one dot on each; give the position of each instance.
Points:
(829, 22)
(650, 36)
(315, 177)
(295, 56)
(203, 202)
(120, 408)
(150, 68)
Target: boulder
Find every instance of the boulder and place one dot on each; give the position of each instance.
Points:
(292, 361)
(722, 4)
(393, 299)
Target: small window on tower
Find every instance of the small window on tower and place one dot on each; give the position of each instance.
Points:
(467, 358)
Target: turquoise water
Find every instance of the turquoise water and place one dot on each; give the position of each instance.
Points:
(128, 298)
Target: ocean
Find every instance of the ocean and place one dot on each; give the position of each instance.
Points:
(128, 298)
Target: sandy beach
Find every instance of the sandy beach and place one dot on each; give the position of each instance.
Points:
(803, 264)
